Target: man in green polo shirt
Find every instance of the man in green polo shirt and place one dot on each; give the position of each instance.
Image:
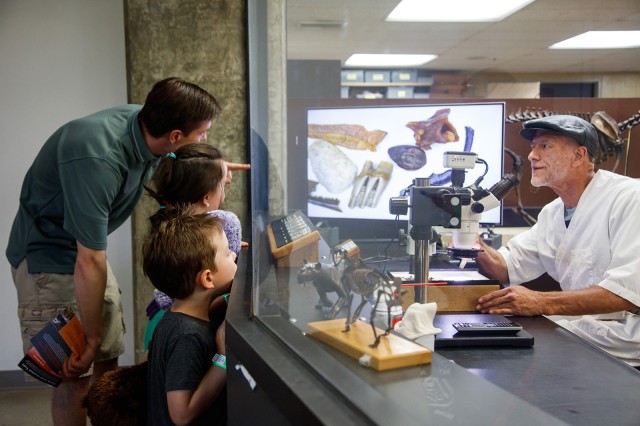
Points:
(84, 183)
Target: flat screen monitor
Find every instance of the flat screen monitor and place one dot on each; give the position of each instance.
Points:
(355, 158)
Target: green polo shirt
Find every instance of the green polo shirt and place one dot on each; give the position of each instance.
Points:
(84, 183)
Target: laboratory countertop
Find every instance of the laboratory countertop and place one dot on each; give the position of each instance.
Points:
(561, 379)
(562, 374)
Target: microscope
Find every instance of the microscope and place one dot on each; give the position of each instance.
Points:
(454, 207)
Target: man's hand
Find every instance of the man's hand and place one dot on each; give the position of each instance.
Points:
(76, 365)
(234, 166)
(516, 300)
(491, 263)
(90, 278)
(519, 300)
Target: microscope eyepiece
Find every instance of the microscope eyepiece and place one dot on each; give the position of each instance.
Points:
(506, 184)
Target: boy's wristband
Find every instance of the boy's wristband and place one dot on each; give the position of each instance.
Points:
(220, 361)
(226, 297)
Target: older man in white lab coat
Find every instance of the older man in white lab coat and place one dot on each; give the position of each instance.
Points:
(587, 240)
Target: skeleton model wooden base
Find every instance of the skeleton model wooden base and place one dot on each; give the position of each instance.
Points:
(392, 351)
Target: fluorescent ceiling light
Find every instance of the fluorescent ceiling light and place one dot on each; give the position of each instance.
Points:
(601, 40)
(384, 60)
(455, 10)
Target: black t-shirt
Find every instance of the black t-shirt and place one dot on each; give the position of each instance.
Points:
(180, 354)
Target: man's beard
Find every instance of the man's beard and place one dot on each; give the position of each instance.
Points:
(550, 176)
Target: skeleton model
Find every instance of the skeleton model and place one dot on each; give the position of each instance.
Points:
(326, 279)
(357, 278)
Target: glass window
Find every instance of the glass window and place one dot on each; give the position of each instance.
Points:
(334, 144)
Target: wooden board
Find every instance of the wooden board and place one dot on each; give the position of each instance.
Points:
(458, 298)
(353, 251)
(297, 257)
(296, 252)
(392, 352)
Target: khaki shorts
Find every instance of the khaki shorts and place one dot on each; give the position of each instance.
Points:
(43, 295)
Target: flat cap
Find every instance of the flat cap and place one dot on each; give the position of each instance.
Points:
(568, 125)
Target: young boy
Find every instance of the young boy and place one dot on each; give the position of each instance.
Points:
(188, 258)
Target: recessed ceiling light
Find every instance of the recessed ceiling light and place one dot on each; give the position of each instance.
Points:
(601, 40)
(390, 60)
(455, 10)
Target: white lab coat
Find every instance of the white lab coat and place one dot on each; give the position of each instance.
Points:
(601, 247)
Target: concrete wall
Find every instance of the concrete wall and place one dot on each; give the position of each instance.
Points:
(201, 41)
